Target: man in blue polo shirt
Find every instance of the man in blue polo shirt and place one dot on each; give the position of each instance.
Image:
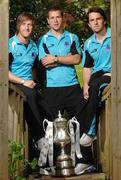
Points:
(59, 51)
(58, 56)
(23, 54)
(96, 64)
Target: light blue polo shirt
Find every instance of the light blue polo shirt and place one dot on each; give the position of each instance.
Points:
(23, 58)
(100, 52)
(62, 75)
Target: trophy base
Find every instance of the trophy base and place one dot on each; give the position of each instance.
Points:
(64, 167)
(64, 172)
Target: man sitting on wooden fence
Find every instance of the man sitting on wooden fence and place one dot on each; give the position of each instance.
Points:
(22, 63)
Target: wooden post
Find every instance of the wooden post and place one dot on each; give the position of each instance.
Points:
(116, 90)
(3, 89)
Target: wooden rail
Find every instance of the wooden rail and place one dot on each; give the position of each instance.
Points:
(17, 127)
(104, 134)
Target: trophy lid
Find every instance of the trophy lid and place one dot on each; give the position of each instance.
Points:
(60, 118)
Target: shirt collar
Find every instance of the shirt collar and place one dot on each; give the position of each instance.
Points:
(49, 33)
(16, 40)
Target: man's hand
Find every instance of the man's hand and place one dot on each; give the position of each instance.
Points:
(86, 78)
(48, 61)
(29, 83)
(86, 91)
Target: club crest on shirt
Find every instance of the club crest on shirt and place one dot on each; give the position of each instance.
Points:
(66, 43)
(108, 47)
(33, 54)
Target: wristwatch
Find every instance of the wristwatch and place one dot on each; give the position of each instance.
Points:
(22, 81)
(56, 59)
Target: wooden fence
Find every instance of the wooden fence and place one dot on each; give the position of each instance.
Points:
(116, 90)
(18, 131)
(113, 132)
(17, 126)
(104, 134)
(3, 89)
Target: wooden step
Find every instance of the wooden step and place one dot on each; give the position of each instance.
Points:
(89, 176)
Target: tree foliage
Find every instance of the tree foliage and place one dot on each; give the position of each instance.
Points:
(75, 9)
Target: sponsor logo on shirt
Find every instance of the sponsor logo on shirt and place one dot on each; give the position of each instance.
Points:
(51, 45)
(19, 54)
(94, 50)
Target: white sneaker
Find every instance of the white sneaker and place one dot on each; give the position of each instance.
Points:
(86, 140)
(48, 171)
(45, 171)
(84, 168)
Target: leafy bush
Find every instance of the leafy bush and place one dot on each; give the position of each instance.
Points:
(17, 162)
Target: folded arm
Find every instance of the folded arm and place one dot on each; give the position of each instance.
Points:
(51, 61)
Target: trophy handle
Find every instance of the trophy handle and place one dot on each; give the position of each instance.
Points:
(55, 130)
(70, 126)
(45, 121)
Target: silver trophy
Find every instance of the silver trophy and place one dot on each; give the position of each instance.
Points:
(64, 164)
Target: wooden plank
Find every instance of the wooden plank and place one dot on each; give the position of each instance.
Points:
(93, 176)
(12, 88)
(117, 131)
(3, 89)
(104, 132)
(114, 124)
(108, 133)
(10, 120)
(116, 90)
(106, 92)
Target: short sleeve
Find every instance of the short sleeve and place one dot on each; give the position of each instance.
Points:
(40, 48)
(76, 46)
(87, 60)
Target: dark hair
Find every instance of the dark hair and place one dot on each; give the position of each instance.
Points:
(23, 17)
(55, 8)
(97, 10)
